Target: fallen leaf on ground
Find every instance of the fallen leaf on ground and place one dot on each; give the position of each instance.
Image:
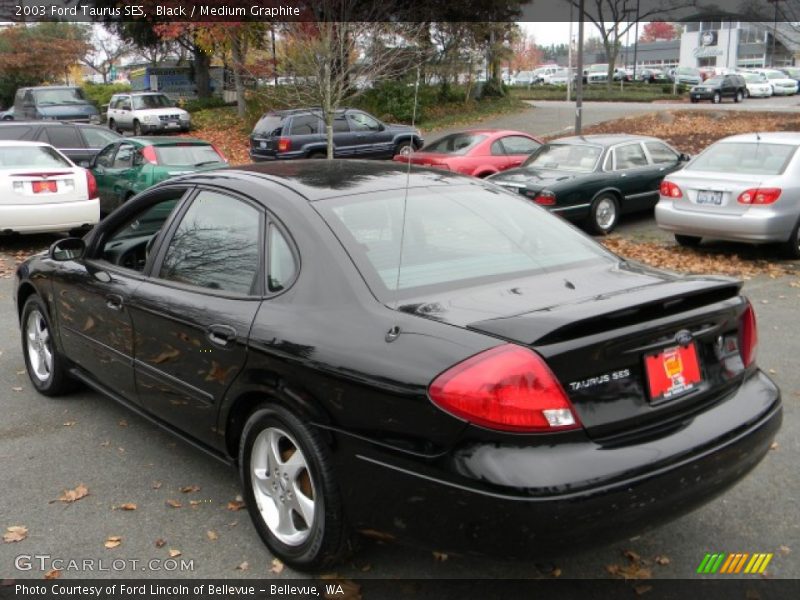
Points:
(366, 568)
(556, 572)
(105, 444)
(642, 589)
(774, 446)
(243, 566)
(69, 423)
(785, 550)
(128, 506)
(70, 496)
(235, 505)
(123, 423)
(194, 503)
(174, 503)
(440, 556)
(635, 569)
(377, 535)
(173, 553)
(662, 560)
(156, 485)
(113, 541)
(212, 535)
(160, 542)
(15, 533)
(17, 389)
(276, 566)
(190, 488)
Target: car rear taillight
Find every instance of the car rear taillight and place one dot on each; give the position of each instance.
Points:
(748, 335)
(509, 388)
(545, 197)
(759, 196)
(91, 185)
(149, 154)
(284, 144)
(670, 190)
(218, 151)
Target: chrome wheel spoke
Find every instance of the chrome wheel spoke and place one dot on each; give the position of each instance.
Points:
(292, 467)
(303, 504)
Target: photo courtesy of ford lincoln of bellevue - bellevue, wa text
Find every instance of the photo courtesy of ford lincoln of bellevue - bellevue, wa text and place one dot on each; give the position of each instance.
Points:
(361, 299)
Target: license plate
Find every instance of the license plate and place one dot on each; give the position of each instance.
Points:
(672, 372)
(44, 186)
(173, 124)
(262, 144)
(707, 197)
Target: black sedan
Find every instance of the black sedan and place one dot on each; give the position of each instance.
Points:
(594, 179)
(417, 353)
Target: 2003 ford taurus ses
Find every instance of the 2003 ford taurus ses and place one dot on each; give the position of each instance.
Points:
(410, 351)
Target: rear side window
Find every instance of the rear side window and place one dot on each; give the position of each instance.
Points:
(745, 157)
(15, 132)
(64, 137)
(661, 153)
(282, 264)
(517, 144)
(305, 125)
(457, 143)
(268, 125)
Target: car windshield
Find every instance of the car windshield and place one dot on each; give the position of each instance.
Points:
(565, 157)
(453, 236)
(152, 101)
(713, 81)
(59, 96)
(457, 143)
(31, 156)
(775, 75)
(268, 125)
(757, 158)
(687, 71)
(752, 78)
(187, 155)
(598, 68)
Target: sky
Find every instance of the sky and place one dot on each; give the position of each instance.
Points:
(558, 32)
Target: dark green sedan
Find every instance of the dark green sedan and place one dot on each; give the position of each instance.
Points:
(594, 179)
(131, 165)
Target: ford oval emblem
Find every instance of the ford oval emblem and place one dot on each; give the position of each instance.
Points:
(683, 337)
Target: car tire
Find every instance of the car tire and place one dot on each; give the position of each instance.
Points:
(137, 128)
(604, 214)
(288, 478)
(716, 98)
(791, 247)
(746, 93)
(739, 96)
(688, 241)
(112, 125)
(46, 366)
(317, 155)
(403, 148)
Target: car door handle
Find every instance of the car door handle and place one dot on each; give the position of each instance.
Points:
(220, 335)
(114, 301)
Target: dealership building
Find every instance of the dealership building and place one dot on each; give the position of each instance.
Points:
(721, 44)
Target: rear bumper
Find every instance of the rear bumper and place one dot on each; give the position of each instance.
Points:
(513, 500)
(42, 218)
(164, 127)
(758, 224)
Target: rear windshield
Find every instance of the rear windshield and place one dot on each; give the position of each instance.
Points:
(187, 156)
(565, 157)
(268, 125)
(31, 156)
(454, 236)
(152, 101)
(59, 96)
(744, 157)
(457, 143)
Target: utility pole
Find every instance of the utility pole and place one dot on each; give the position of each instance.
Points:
(579, 80)
(636, 41)
(569, 57)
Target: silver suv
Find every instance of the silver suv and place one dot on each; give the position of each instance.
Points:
(146, 112)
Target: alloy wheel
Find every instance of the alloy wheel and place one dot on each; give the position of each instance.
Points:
(283, 487)
(605, 214)
(39, 346)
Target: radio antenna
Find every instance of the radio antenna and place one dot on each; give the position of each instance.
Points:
(396, 329)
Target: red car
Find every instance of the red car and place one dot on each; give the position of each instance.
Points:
(477, 152)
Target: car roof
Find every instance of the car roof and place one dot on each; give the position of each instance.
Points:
(7, 143)
(604, 139)
(164, 140)
(49, 122)
(320, 179)
(774, 137)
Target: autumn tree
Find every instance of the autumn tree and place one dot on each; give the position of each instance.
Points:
(525, 54)
(105, 49)
(34, 54)
(657, 31)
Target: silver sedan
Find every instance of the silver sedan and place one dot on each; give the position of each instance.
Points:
(744, 188)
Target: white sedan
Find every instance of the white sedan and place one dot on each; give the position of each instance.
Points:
(41, 190)
(756, 86)
(781, 84)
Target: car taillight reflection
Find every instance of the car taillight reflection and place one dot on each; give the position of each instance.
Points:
(748, 335)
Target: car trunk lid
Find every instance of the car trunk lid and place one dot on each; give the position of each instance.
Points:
(37, 186)
(705, 192)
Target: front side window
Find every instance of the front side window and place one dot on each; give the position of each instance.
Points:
(124, 157)
(151, 101)
(216, 246)
(106, 156)
(53, 96)
(565, 157)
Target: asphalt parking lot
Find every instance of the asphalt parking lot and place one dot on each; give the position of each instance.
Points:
(48, 446)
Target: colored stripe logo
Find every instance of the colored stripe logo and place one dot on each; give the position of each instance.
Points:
(734, 563)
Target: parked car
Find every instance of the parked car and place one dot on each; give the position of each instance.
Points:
(146, 112)
(7, 115)
(526, 78)
(743, 188)
(300, 133)
(476, 152)
(757, 87)
(559, 77)
(650, 75)
(718, 87)
(791, 72)
(405, 352)
(41, 190)
(623, 74)
(596, 74)
(594, 178)
(131, 165)
(79, 142)
(57, 102)
(687, 76)
(781, 84)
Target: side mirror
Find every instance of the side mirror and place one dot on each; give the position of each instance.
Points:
(684, 157)
(67, 249)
